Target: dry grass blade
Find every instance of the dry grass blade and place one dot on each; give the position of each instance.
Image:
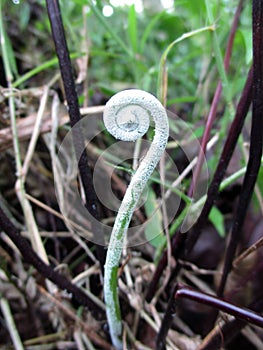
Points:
(92, 334)
(25, 126)
(11, 324)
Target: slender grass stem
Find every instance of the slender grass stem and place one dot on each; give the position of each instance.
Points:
(163, 74)
(218, 55)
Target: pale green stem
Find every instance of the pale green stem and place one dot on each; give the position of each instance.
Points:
(163, 77)
(126, 117)
(219, 58)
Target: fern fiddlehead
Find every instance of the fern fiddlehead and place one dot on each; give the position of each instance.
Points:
(127, 117)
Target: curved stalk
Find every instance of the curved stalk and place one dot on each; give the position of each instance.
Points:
(126, 117)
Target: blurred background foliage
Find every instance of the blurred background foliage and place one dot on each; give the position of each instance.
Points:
(124, 45)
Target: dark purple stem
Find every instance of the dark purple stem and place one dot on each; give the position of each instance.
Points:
(229, 146)
(216, 99)
(220, 304)
(75, 121)
(256, 142)
(178, 240)
(183, 292)
(219, 337)
(167, 320)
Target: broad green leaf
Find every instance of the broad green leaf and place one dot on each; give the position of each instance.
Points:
(132, 29)
(248, 44)
(217, 219)
(149, 29)
(154, 229)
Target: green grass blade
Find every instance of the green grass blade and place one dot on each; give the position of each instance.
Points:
(132, 29)
(219, 56)
(162, 83)
(149, 30)
(109, 29)
(46, 65)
